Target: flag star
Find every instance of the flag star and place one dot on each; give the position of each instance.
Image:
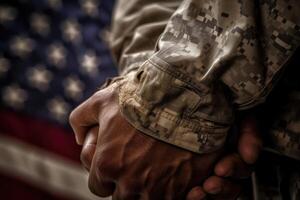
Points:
(90, 7)
(4, 66)
(73, 88)
(59, 108)
(7, 14)
(21, 46)
(57, 55)
(39, 77)
(40, 23)
(14, 96)
(55, 4)
(89, 63)
(71, 31)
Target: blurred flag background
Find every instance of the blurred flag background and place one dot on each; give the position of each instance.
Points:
(53, 55)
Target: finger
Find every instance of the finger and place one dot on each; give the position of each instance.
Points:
(196, 193)
(233, 166)
(99, 182)
(250, 142)
(220, 188)
(89, 147)
(100, 187)
(85, 116)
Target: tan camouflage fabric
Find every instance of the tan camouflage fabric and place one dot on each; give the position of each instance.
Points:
(189, 65)
(277, 173)
(280, 114)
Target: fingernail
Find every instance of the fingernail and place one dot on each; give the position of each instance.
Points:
(196, 193)
(214, 190)
(223, 171)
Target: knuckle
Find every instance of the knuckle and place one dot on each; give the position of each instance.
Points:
(95, 102)
(73, 117)
(105, 167)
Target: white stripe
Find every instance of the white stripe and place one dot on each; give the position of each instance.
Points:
(43, 169)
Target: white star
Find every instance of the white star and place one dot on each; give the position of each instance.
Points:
(39, 77)
(90, 7)
(57, 55)
(4, 65)
(21, 46)
(55, 4)
(71, 31)
(73, 87)
(14, 96)
(89, 63)
(7, 14)
(40, 23)
(59, 108)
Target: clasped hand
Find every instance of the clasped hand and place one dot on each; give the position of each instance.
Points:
(127, 164)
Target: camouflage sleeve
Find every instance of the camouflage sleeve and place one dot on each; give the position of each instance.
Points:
(136, 27)
(212, 57)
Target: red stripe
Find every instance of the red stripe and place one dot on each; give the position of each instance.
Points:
(40, 133)
(16, 189)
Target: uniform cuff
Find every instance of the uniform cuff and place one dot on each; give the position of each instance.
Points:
(173, 110)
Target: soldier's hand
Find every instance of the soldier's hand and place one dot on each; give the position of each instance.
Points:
(129, 164)
(229, 171)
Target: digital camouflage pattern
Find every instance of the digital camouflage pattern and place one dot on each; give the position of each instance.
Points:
(188, 65)
(194, 62)
(277, 174)
(280, 114)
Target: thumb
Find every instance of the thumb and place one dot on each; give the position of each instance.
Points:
(250, 142)
(85, 116)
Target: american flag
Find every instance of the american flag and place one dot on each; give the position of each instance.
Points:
(53, 55)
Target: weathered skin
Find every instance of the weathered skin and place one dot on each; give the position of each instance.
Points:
(235, 165)
(130, 165)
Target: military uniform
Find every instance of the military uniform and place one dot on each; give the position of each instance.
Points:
(188, 67)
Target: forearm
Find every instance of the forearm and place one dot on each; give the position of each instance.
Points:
(136, 27)
(208, 61)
